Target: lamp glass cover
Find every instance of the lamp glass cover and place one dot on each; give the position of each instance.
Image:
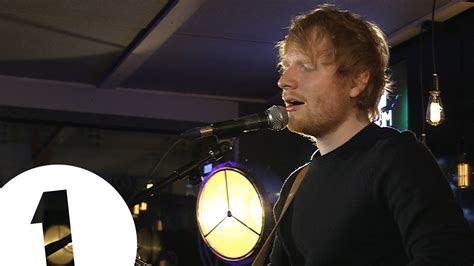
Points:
(435, 110)
(230, 214)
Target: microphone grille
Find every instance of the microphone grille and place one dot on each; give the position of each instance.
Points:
(277, 117)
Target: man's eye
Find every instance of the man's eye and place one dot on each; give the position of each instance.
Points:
(307, 67)
(281, 69)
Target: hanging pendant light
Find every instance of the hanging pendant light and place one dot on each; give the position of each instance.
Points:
(463, 175)
(464, 172)
(435, 110)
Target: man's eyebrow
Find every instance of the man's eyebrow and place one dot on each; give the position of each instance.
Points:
(297, 61)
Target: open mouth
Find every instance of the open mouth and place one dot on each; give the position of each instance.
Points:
(290, 103)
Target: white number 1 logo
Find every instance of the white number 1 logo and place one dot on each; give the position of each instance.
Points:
(101, 224)
(44, 206)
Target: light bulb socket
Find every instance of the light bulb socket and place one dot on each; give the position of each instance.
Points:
(435, 93)
(462, 158)
(435, 82)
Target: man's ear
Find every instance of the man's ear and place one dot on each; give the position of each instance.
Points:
(359, 83)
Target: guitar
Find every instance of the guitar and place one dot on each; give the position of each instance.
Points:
(140, 262)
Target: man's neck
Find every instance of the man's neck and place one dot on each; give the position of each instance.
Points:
(343, 133)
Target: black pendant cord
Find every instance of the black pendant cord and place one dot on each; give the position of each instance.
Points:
(435, 73)
(433, 57)
(422, 93)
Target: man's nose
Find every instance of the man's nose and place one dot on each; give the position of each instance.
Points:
(287, 79)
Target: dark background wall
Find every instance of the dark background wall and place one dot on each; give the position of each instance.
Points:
(454, 46)
(454, 53)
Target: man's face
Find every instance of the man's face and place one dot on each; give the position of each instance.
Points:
(317, 100)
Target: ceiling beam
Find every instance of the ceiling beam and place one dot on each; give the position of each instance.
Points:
(442, 13)
(83, 98)
(167, 21)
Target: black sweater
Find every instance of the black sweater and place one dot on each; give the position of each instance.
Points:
(379, 199)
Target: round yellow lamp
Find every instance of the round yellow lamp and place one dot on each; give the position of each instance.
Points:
(64, 255)
(230, 214)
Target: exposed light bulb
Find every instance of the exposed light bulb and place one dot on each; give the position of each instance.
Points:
(464, 174)
(136, 210)
(435, 111)
(144, 205)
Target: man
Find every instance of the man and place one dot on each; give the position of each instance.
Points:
(372, 196)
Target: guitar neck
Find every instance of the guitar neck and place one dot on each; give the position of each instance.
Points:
(139, 262)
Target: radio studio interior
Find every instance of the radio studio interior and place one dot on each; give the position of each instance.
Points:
(177, 105)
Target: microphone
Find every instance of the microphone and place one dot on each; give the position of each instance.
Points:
(274, 118)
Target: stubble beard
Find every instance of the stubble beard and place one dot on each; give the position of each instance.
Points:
(320, 122)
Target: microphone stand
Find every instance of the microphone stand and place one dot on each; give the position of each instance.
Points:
(215, 154)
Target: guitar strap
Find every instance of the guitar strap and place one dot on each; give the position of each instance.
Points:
(262, 254)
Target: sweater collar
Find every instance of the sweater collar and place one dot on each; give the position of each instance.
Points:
(359, 139)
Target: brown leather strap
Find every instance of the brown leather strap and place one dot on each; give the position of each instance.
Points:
(262, 254)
